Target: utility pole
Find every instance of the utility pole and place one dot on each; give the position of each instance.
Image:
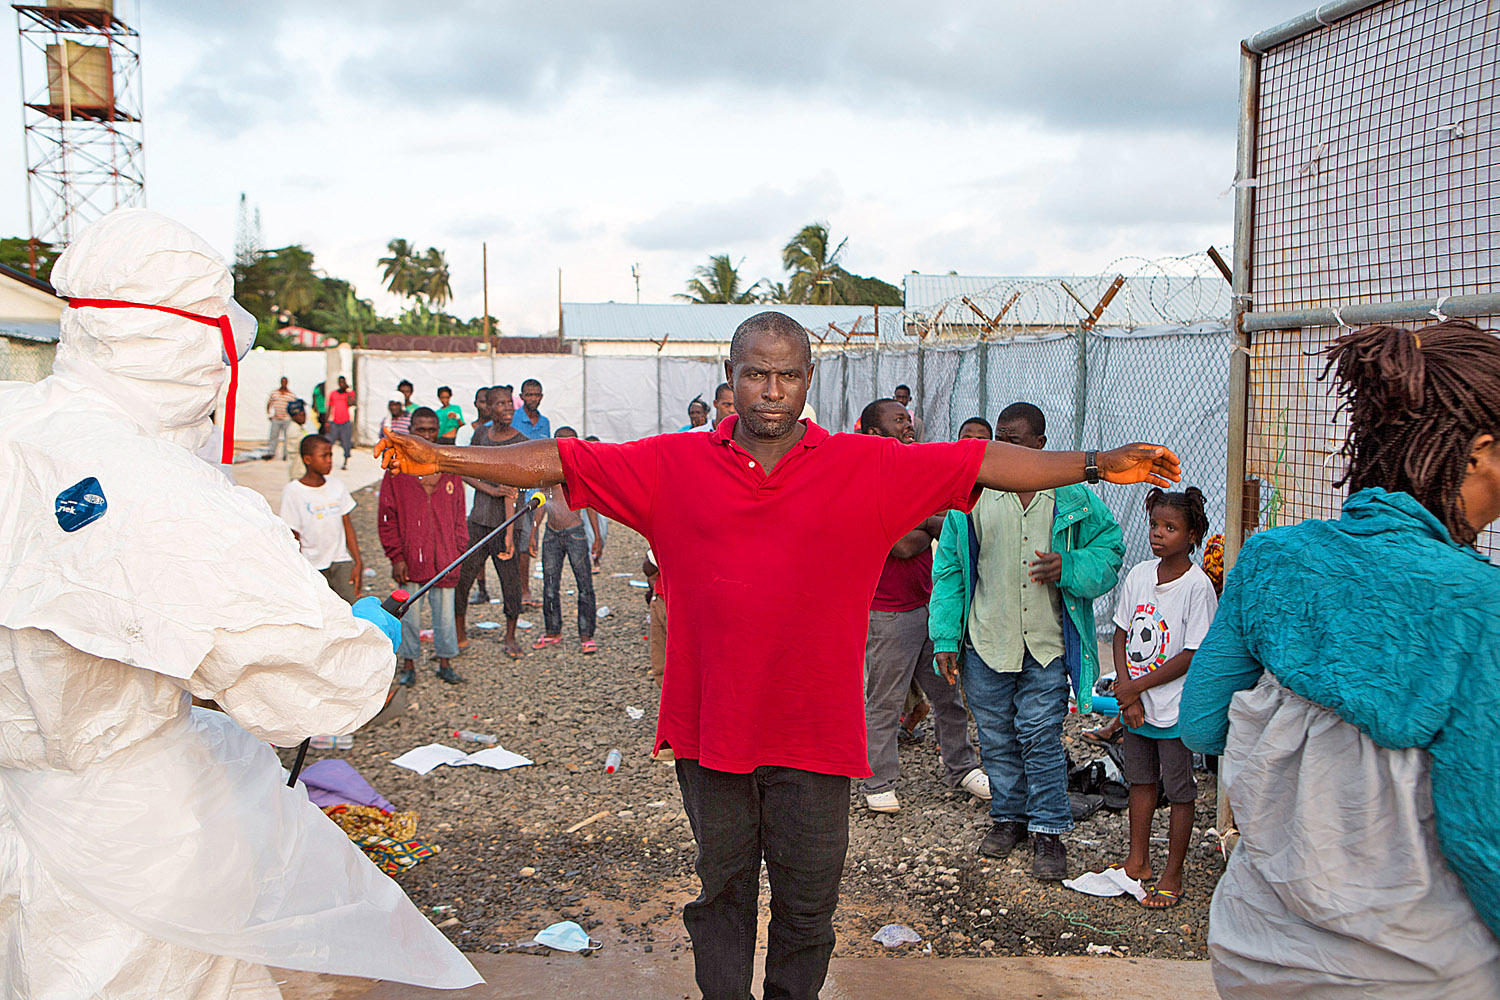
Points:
(484, 265)
(635, 272)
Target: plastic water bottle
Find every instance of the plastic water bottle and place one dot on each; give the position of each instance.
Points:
(472, 737)
(612, 762)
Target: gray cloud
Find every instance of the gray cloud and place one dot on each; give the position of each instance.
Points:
(762, 214)
(1099, 65)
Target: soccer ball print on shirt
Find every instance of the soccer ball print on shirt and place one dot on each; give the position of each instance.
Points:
(1146, 641)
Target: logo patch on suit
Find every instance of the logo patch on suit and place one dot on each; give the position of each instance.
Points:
(81, 504)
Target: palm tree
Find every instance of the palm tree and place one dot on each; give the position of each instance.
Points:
(814, 269)
(718, 281)
(435, 287)
(403, 270)
(434, 278)
(774, 292)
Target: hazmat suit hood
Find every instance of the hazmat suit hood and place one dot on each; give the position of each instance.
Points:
(164, 369)
(114, 427)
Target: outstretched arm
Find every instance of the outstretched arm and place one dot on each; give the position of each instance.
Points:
(1015, 469)
(531, 464)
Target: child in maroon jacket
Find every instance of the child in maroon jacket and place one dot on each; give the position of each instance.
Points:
(422, 529)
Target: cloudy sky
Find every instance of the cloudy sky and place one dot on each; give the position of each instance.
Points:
(984, 137)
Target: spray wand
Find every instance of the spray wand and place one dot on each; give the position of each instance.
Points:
(400, 602)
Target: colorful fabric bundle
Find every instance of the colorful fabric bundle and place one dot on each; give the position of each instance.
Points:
(1213, 562)
(357, 821)
(393, 856)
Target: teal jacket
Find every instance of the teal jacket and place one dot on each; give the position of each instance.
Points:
(1383, 619)
(1092, 548)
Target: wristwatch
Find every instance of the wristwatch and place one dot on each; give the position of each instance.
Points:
(1091, 466)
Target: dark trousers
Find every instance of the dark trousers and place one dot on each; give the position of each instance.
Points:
(572, 544)
(508, 570)
(798, 821)
(343, 435)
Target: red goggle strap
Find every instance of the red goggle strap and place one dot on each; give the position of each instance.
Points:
(226, 331)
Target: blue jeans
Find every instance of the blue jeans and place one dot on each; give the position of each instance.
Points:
(439, 601)
(571, 544)
(1020, 720)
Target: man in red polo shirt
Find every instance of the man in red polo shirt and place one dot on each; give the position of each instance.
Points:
(763, 700)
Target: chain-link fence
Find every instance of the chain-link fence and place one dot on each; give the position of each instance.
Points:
(1368, 143)
(25, 360)
(1097, 388)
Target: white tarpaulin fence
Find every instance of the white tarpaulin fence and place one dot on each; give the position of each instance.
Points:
(378, 372)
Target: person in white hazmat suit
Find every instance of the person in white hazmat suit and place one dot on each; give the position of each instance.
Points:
(147, 848)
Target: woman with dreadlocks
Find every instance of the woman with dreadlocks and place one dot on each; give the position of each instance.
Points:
(1351, 680)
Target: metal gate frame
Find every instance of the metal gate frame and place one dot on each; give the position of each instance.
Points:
(1245, 322)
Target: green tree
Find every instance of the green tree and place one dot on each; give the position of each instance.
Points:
(297, 287)
(718, 281)
(774, 292)
(402, 270)
(855, 290)
(16, 253)
(815, 268)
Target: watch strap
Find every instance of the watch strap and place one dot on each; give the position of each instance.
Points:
(1091, 466)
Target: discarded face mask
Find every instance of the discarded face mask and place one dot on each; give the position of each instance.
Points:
(895, 935)
(567, 936)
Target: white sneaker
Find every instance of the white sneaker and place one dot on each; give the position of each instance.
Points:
(883, 802)
(977, 784)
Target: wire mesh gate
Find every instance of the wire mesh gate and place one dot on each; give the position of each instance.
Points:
(1367, 147)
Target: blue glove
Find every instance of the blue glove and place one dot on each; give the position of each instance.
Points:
(370, 610)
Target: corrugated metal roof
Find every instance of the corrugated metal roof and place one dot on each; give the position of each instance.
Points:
(43, 331)
(1147, 298)
(694, 323)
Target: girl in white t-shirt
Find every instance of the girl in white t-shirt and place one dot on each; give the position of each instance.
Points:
(1163, 612)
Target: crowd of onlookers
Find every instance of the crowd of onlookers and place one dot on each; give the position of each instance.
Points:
(989, 614)
(426, 522)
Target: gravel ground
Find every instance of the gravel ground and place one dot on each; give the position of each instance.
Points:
(509, 867)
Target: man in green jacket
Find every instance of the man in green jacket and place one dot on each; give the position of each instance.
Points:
(1013, 588)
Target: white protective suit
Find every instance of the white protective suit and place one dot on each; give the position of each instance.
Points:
(149, 849)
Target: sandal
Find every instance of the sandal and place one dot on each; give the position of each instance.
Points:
(543, 641)
(590, 646)
(1172, 899)
(1096, 735)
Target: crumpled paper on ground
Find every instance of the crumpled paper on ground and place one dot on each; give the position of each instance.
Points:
(1110, 882)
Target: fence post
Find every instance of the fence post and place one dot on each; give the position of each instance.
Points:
(844, 388)
(1080, 385)
(1239, 355)
(922, 387)
(658, 392)
(984, 379)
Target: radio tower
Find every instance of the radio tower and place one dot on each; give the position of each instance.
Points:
(81, 87)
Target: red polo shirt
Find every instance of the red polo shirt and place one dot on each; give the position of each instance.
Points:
(770, 578)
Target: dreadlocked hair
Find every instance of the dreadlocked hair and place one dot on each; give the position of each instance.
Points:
(1416, 402)
(1190, 502)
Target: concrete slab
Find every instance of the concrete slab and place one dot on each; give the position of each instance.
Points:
(665, 977)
